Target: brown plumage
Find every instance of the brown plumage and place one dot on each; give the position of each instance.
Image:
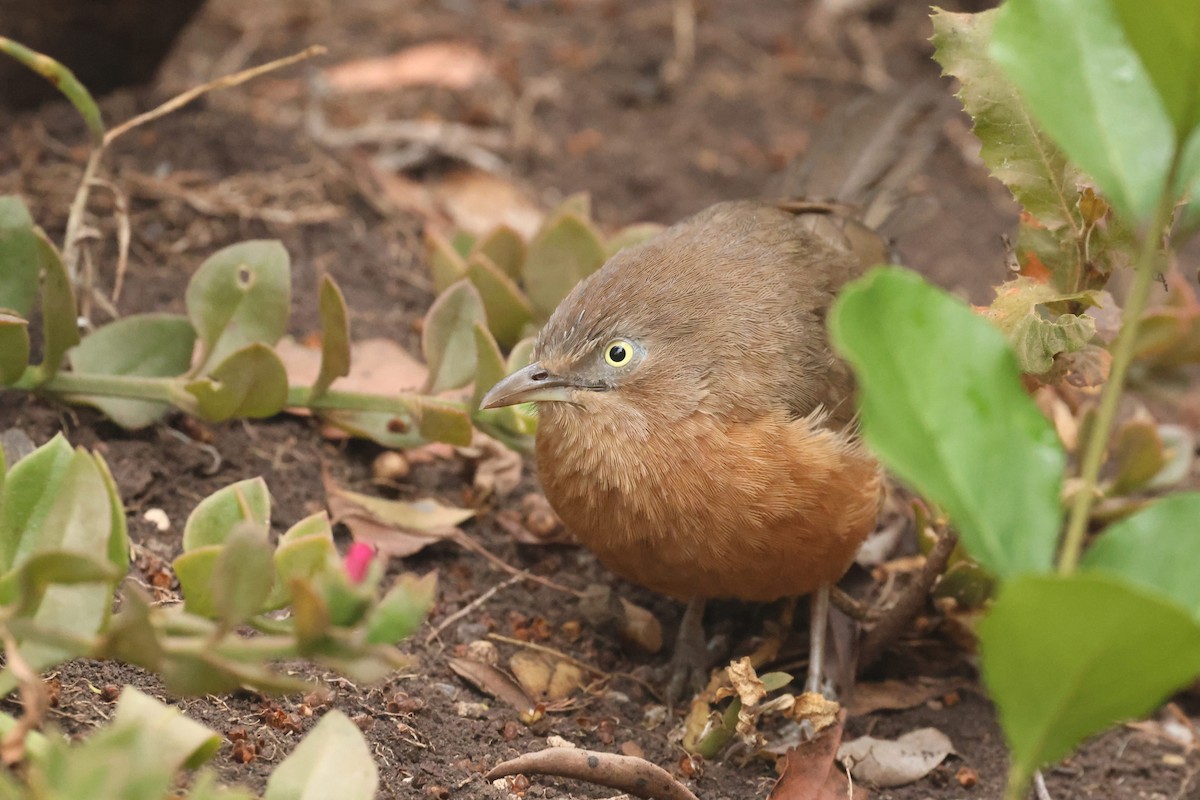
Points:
(696, 429)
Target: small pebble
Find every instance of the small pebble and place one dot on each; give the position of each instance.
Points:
(558, 741)
(158, 518)
(445, 689)
(484, 652)
(471, 710)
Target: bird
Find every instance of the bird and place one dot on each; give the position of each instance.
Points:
(696, 431)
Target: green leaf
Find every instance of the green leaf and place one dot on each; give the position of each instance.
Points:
(64, 80)
(251, 382)
(448, 338)
(19, 258)
(564, 252)
(243, 575)
(1138, 455)
(507, 309)
(118, 540)
(303, 552)
(1015, 149)
(1066, 657)
(144, 345)
(240, 296)
(462, 242)
(179, 742)
(430, 420)
(333, 760)
(1037, 334)
(942, 405)
(1101, 107)
(521, 354)
(633, 235)
(489, 368)
(402, 609)
(446, 265)
(506, 249)
(27, 584)
(60, 330)
(30, 490)
(335, 337)
(579, 204)
(14, 347)
(1166, 36)
(214, 517)
(1156, 549)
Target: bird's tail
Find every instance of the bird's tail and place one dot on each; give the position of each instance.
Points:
(854, 185)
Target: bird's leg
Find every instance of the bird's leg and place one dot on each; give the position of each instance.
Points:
(819, 621)
(689, 662)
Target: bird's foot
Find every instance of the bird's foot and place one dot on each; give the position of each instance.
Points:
(692, 658)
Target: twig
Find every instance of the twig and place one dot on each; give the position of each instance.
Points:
(1039, 786)
(635, 776)
(468, 543)
(855, 609)
(550, 651)
(34, 698)
(471, 606)
(896, 618)
(124, 235)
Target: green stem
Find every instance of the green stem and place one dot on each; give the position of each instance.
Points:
(1122, 356)
(130, 386)
(400, 405)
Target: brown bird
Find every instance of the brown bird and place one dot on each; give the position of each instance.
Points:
(695, 428)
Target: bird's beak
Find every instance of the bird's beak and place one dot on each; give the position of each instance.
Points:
(533, 383)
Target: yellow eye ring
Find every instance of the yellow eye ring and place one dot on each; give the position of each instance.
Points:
(618, 353)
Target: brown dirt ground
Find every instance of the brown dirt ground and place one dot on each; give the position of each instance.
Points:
(764, 73)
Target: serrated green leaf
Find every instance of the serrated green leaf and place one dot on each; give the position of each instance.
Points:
(1156, 549)
(506, 249)
(251, 382)
(1015, 149)
(214, 517)
(1066, 657)
(60, 329)
(243, 575)
(1036, 333)
(335, 337)
(505, 305)
(1101, 107)
(333, 760)
(240, 296)
(14, 347)
(145, 345)
(448, 338)
(446, 265)
(942, 405)
(19, 258)
(402, 609)
(563, 253)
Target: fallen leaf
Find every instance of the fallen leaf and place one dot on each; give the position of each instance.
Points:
(395, 527)
(895, 695)
(377, 366)
(810, 773)
(450, 65)
(495, 683)
(544, 676)
(886, 763)
(497, 470)
(478, 201)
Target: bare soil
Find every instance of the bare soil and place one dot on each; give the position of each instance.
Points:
(764, 74)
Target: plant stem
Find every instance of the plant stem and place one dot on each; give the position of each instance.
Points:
(131, 386)
(1122, 355)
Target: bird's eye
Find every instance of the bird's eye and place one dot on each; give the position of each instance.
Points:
(618, 353)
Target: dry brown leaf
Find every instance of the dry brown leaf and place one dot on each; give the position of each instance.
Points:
(810, 773)
(394, 527)
(377, 366)
(886, 763)
(498, 469)
(495, 683)
(478, 201)
(544, 676)
(450, 65)
(819, 711)
(894, 695)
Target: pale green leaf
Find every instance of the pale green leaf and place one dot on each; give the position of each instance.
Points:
(243, 575)
(402, 609)
(333, 760)
(144, 345)
(506, 249)
(563, 253)
(19, 259)
(1066, 657)
(14, 347)
(180, 742)
(1036, 333)
(60, 328)
(448, 338)
(1101, 106)
(942, 405)
(1157, 549)
(446, 265)
(240, 296)
(251, 382)
(1166, 36)
(214, 517)
(506, 306)
(335, 337)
